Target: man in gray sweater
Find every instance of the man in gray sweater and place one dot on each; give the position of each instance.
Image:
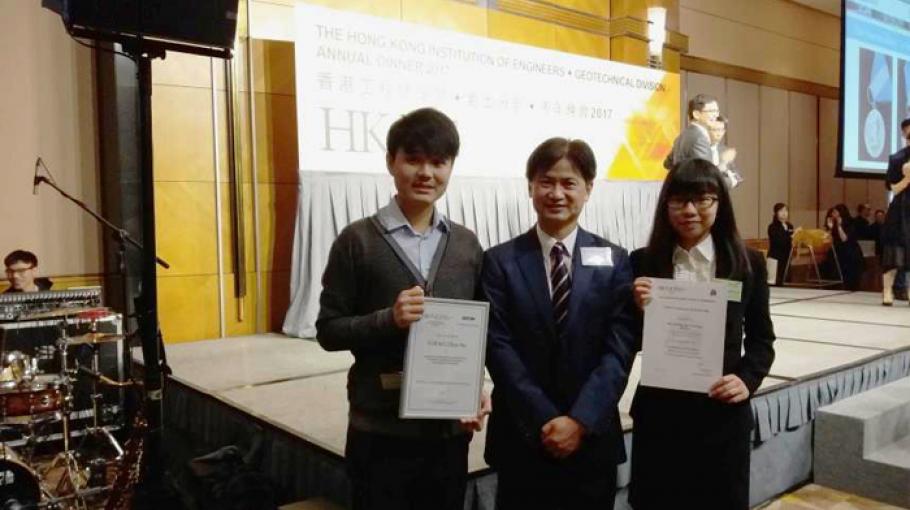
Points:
(378, 272)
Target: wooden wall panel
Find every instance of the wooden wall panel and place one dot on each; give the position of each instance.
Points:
(774, 36)
(182, 134)
(186, 228)
(856, 191)
(830, 189)
(773, 159)
(705, 84)
(803, 161)
(446, 14)
(278, 214)
(276, 138)
(743, 110)
(47, 109)
(188, 307)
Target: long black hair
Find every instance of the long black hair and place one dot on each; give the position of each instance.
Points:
(777, 207)
(845, 216)
(691, 178)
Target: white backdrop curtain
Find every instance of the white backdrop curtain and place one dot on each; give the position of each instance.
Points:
(495, 209)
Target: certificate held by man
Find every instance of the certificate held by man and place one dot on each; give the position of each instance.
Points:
(443, 365)
(683, 341)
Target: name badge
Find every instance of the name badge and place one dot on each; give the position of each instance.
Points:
(391, 381)
(596, 256)
(734, 290)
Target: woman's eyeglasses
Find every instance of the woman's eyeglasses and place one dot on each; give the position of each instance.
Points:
(702, 203)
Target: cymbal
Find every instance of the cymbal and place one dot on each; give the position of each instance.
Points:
(93, 338)
(63, 312)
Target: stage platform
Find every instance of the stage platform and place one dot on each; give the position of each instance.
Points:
(291, 393)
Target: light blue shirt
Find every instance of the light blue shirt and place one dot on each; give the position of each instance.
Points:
(419, 247)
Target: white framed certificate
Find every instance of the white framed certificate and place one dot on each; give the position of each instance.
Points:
(683, 340)
(443, 364)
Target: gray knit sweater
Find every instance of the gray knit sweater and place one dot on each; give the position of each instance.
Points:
(360, 284)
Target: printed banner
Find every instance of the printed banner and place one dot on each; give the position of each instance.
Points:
(356, 74)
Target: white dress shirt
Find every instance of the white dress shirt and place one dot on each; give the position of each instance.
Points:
(546, 245)
(697, 264)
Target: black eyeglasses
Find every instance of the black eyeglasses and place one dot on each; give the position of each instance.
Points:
(702, 203)
(22, 270)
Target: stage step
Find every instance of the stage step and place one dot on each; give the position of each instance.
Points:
(862, 444)
(312, 504)
(896, 454)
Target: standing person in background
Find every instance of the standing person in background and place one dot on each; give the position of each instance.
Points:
(896, 229)
(862, 222)
(849, 255)
(875, 231)
(780, 239)
(722, 155)
(694, 142)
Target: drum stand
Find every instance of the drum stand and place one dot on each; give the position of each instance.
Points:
(96, 439)
(74, 478)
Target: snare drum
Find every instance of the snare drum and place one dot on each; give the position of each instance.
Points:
(18, 482)
(27, 400)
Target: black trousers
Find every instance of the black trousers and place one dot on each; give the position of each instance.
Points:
(389, 472)
(527, 488)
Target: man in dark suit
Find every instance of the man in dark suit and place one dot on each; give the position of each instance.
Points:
(560, 345)
(694, 142)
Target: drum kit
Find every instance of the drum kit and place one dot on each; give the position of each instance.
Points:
(35, 401)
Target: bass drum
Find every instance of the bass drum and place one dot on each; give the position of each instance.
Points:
(19, 485)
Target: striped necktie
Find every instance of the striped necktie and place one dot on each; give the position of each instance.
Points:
(561, 283)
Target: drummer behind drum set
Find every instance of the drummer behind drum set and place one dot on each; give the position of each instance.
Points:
(32, 399)
(22, 272)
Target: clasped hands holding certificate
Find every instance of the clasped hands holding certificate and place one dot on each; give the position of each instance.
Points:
(409, 308)
(729, 388)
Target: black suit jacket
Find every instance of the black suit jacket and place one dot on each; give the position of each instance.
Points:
(748, 329)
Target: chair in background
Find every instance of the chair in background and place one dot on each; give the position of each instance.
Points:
(811, 246)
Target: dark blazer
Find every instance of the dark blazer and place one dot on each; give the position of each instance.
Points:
(780, 240)
(692, 143)
(537, 376)
(691, 451)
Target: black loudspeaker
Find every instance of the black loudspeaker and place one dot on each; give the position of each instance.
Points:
(210, 23)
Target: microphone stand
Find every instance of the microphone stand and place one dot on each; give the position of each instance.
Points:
(120, 234)
(123, 238)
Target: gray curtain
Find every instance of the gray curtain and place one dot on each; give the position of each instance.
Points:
(495, 209)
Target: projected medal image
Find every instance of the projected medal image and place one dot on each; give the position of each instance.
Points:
(903, 90)
(875, 104)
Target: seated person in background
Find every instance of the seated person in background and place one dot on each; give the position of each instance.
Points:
(780, 239)
(862, 222)
(723, 156)
(849, 254)
(875, 231)
(22, 272)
